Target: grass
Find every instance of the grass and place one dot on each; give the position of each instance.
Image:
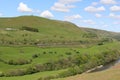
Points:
(56, 37)
(8, 53)
(50, 31)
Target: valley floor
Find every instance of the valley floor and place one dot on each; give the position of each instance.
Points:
(43, 55)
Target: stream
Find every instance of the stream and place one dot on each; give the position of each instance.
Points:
(107, 66)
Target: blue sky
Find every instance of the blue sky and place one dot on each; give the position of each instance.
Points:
(100, 14)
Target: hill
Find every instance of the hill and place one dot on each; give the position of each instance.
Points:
(33, 30)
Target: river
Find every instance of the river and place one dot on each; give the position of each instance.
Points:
(106, 66)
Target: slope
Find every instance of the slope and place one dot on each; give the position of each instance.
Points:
(33, 30)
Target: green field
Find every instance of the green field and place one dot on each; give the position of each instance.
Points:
(8, 53)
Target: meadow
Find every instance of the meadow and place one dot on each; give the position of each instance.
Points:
(44, 55)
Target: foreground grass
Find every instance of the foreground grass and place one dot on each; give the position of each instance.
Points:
(110, 74)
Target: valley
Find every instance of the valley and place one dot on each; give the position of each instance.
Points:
(36, 48)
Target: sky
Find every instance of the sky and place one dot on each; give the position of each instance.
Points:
(99, 14)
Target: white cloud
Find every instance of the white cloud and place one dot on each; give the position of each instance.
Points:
(94, 9)
(24, 8)
(98, 15)
(63, 5)
(115, 8)
(73, 17)
(89, 21)
(108, 1)
(68, 1)
(112, 15)
(46, 14)
(94, 3)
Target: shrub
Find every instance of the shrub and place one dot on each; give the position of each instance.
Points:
(101, 43)
(90, 35)
(44, 52)
(68, 53)
(35, 56)
(18, 72)
(55, 52)
(1, 74)
(29, 29)
(19, 62)
(31, 70)
(77, 52)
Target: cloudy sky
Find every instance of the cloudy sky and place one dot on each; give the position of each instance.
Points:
(100, 14)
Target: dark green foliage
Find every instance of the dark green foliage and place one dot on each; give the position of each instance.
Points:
(18, 72)
(68, 53)
(86, 62)
(90, 35)
(31, 70)
(35, 55)
(101, 43)
(29, 29)
(19, 62)
(44, 52)
(1, 74)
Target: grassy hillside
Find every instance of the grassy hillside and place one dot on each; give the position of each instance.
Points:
(49, 30)
(33, 30)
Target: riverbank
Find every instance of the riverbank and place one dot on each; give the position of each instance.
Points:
(104, 67)
(109, 74)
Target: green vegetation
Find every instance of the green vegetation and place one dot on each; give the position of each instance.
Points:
(32, 30)
(29, 29)
(110, 74)
(36, 48)
(76, 61)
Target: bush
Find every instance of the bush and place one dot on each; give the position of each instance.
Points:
(18, 72)
(44, 52)
(29, 29)
(19, 62)
(101, 43)
(35, 56)
(68, 53)
(31, 70)
(1, 74)
(90, 35)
